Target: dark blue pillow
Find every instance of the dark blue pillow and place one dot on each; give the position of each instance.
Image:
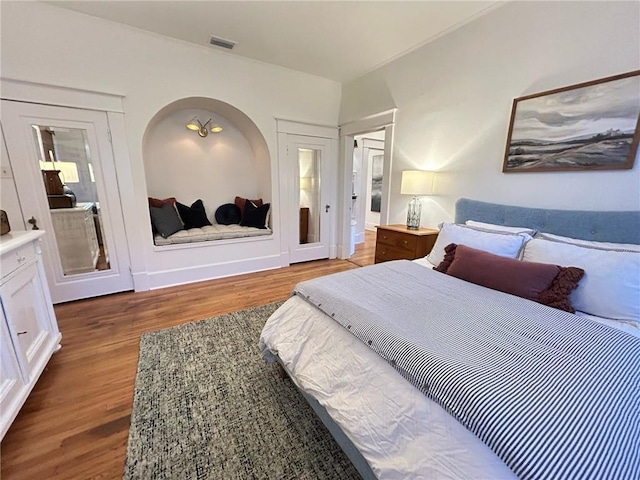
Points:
(255, 216)
(228, 214)
(194, 216)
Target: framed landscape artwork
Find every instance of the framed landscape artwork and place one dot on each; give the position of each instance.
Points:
(377, 163)
(589, 126)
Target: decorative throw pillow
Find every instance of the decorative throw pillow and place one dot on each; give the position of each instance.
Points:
(540, 282)
(611, 284)
(156, 202)
(194, 216)
(228, 214)
(241, 203)
(500, 228)
(254, 215)
(165, 220)
(614, 247)
(557, 295)
(504, 244)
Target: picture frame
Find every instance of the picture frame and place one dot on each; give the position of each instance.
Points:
(588, 126)
(377, 164)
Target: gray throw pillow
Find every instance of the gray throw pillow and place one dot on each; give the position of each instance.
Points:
(165, 220)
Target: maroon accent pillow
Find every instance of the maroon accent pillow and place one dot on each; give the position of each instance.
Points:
(557, 295)
(240, 202)
(449, 254)
(157, 203)
(524, 279)
(548, 284)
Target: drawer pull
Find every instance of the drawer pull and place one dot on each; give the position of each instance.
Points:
(22, 333)
(405, 242)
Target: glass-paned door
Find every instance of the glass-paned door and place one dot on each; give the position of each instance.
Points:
(67, 185)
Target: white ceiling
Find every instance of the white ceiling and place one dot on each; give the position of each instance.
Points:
(340, 40)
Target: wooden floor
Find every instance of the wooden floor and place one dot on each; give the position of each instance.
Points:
(365, 252)
(76, 421)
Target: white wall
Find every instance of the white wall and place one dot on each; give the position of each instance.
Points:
(42, 43)
(454, 100)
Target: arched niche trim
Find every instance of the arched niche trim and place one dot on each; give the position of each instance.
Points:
(241, 138)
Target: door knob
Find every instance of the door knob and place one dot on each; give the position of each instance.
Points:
(32, 221)
(326, 208)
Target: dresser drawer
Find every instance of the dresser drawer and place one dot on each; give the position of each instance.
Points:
(397, 240)
(384, 253)
(18, 257)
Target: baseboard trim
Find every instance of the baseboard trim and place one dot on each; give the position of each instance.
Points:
(199, 273)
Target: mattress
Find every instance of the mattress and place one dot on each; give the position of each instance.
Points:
(400, 432)
(375, 407)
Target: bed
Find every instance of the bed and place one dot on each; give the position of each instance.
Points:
(371, 353)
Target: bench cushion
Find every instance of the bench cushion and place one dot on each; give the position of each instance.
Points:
(211, 232)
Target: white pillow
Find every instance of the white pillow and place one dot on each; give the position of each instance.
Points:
(611, 284)
(498, 243)
(618, 247)
(500, 228)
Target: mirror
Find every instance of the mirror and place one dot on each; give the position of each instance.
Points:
(64, 158)
(309, 198)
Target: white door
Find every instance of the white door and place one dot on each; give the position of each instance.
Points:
(85, 249)
(309, 168)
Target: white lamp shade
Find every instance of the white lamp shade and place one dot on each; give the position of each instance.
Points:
(417, 182)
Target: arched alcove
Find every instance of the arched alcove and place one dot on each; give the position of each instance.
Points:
(179, 163)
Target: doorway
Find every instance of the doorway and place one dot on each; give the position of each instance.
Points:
(65, 176)
(368, 171)
(381, 123)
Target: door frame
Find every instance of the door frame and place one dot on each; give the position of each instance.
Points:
(18, 118)
(380, 121)
(287, 182)
(111, 103)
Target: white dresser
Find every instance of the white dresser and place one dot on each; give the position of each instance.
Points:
(77, 239)
(28, 329)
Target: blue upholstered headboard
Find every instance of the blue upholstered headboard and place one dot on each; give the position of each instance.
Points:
(619, 227)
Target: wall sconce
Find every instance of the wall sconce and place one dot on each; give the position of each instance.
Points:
(416, 182)
(197, 126)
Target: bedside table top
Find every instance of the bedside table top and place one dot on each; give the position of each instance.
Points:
(403, 229)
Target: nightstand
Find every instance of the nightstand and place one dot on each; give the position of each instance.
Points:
(396, 242)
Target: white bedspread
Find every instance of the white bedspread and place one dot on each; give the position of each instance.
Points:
(373, 404)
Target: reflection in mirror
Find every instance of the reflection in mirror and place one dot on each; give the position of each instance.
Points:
(309, 171)
(64, 159)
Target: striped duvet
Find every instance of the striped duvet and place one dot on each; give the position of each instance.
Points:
(552, 394)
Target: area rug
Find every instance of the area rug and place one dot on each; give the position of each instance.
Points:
(206, 406)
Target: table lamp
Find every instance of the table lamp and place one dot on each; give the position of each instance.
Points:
(416, 183)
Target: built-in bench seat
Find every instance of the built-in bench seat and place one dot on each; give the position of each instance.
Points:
(211, 232)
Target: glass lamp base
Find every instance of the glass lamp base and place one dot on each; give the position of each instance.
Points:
(413, 214)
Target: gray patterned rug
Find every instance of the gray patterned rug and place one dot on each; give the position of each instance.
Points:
(206, 406)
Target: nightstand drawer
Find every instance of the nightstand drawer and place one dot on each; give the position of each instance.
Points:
(384, 253)
(397, 239)
(395, 242)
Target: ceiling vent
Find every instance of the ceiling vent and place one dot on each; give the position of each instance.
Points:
(221, 42)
